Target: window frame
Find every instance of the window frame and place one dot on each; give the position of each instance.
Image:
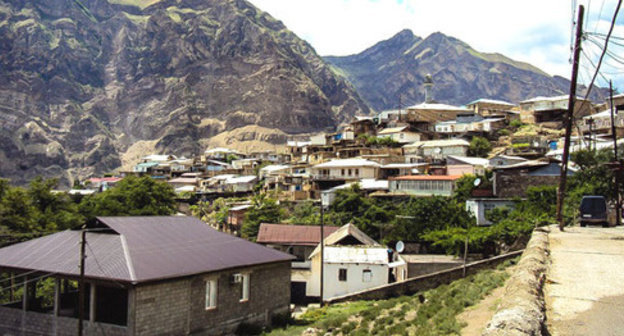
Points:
(245, 288)
(342, 274)
(211, 291)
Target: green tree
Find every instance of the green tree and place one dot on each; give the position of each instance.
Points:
(479, 146)
(306, 213)
(264, 210)
(132, 196)
(17, 213)
(55, 210)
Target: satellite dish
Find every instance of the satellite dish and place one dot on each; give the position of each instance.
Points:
(477, 182)
(400, 247)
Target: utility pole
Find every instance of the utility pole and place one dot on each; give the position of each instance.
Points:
(322, 250)
(81, 284)
(616, 171)
(569, 118)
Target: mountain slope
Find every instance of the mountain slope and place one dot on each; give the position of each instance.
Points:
(460, 73)
(84, 80)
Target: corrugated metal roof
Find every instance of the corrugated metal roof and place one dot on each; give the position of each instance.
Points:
(476, 161)
(141, 249)
(307, 235)
(392, 130)
(338, 163)
(439, 143)
(356, 254)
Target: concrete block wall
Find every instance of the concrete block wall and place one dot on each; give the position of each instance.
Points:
(178, 307)
(425, 282)
(17, 322)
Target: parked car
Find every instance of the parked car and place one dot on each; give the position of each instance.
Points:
(593, 210)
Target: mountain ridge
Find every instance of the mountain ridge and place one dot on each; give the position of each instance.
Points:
(398, 66)
(90, 78)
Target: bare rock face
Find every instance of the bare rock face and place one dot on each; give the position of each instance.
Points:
(92, 77)
(398, 66)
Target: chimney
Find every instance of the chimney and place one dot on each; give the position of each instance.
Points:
(428, 84)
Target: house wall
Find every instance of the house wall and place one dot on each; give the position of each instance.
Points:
(343, 173)
(515, 183)
(461, 169)
(177, 307)
(332, 287)
(423, 188)
(479, 207)
(448, 150)
(16, 322)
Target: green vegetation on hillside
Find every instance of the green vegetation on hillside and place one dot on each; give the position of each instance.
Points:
(431, 312)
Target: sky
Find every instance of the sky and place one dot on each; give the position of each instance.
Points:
(534, 31)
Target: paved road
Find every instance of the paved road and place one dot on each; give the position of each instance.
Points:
(584, 289)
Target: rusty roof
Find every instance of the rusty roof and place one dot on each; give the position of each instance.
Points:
(140, 249)
(285, 234)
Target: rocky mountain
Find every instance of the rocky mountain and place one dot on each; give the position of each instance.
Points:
(85, 82)
(460, 74)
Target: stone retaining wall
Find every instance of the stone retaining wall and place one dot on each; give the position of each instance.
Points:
(425, 282)
(521, 311)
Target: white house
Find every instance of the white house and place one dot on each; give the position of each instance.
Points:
(241, 183)
(346, 169)
(399, 134)
(423, 185)
(352, 262)
(437, 149)
(461, 165)
(479, 206)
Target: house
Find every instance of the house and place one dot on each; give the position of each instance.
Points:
(272, 170)
(185, 184)
(339, 171)
(400, 169)
(423, 185)
(102, 183)
(435, 149)
(425, 115)
(491, 107)
(367, 185)
(504, 160)
(462, 165)
(551, 110)
(469, 124)
(236, 216)
(352, 262)
(222, 154)
(160, 158)
(216, 184)
(364, 125)
(241, 184)
(479, 206)
(169, 275)
(298, 240)
(297, 149)
(600, 124)
(400, 134)
(215, 166)
(514, 180)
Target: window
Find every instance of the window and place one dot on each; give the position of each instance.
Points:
(342, 274)
(342, 172)
(357, 171)
(211, 294)
(367, 275)
(349, 171)
(245, 288)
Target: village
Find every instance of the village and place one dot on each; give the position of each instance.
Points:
(152, 270)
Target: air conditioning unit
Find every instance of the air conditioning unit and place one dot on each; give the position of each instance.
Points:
(236, 278)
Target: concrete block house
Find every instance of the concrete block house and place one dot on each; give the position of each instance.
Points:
(144, 276)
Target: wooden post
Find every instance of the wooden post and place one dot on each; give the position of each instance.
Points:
(568, 119)
(57, 296)
(92, 311)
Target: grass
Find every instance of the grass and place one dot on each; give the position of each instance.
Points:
(405, 315)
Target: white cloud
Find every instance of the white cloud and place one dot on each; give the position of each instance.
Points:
(533, 31)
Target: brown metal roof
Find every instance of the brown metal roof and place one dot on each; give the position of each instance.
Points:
(284, 234)
(140, 249)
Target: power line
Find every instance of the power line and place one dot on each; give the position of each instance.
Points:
(599, 15)
(604, 51)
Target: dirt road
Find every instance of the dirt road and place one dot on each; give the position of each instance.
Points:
(584, 289)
